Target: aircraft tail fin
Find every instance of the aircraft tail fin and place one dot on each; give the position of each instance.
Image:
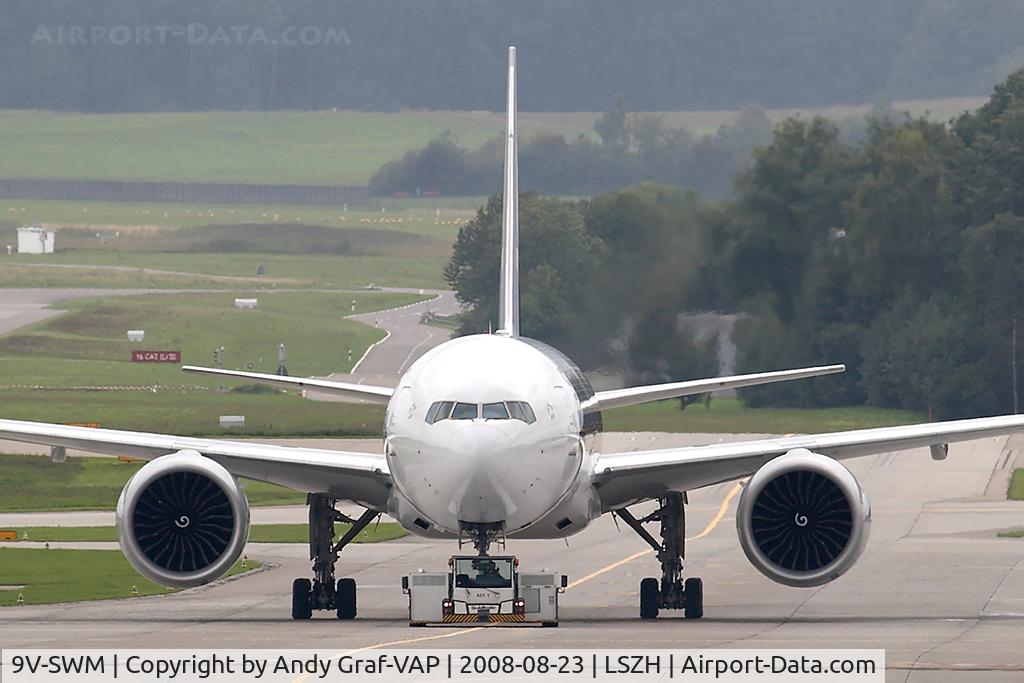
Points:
(508, 298)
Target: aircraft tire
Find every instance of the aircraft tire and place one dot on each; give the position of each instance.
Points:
(345, 598)
(302, 608)
(693, 589)
(649, 598)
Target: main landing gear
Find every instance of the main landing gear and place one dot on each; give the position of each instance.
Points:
(671, 592)
(323, 593)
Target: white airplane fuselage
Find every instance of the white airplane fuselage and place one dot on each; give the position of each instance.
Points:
(532, 477)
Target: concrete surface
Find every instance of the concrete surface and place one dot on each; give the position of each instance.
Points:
(935, 587)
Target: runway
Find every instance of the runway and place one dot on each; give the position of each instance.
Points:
(936, 589)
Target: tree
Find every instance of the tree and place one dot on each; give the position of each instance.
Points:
(612, 125)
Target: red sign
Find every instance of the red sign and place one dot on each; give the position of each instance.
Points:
(156, 356)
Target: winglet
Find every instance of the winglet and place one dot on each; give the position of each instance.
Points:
(508, 302)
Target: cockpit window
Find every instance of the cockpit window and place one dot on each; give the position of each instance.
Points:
(439, 410)
(464, 411)
(495, 411)
(520, 410)
(502, 410)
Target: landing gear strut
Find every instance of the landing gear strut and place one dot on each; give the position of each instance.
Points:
(323, 592)
(671, 592)
(482, 534)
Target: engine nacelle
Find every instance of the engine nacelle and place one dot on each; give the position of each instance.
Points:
(803, 519)
(182, 520)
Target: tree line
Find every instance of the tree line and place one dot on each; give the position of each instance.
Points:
(899, 255)
(161, 55)
(631, 149)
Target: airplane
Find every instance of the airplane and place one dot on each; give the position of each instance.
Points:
(495, 436)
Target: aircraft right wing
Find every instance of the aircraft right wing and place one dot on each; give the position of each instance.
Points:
(617, 398)
(625, 478)
(367, 392)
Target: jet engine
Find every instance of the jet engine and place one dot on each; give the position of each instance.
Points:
(803, 519)
(182, 520)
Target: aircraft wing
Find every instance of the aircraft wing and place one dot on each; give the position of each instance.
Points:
(367, 392)
(625, 478)
(360, 477)
(617, 398)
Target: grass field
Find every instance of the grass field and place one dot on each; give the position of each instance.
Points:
(49, 576)
(297, 147)
(730, 416)
(33, 483)
(260, 533)
(87, 347)
(1016, 490)
(432, 217)
(259, 147)
(190, 270)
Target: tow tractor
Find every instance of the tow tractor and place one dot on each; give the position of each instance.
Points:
(483, 589)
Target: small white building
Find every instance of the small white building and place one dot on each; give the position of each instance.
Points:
(35, 241)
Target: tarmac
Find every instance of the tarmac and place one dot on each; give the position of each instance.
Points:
(936, 588)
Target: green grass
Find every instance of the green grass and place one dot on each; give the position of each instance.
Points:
(1016, 490)
(430, 217)
(260, 533)
(282, 270)
(87, 347)
(33, 483)
(50, 576)
(730, 416)
(258, 147)
(91, 337)
(297, 147)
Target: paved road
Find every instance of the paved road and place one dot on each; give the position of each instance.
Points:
(935, 587)
(407, 339)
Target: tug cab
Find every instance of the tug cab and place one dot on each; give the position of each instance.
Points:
(483, 589)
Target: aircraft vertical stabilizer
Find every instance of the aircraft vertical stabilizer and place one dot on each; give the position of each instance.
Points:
(508, 298)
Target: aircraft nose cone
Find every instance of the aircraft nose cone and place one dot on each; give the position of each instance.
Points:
(480, 447)
(481, 457)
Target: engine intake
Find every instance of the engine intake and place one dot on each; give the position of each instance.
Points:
(182, 520)
(803, 519)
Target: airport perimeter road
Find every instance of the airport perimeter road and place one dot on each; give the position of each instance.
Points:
(407, 339)
(935, 588)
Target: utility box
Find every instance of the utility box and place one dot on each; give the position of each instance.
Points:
(35, 241)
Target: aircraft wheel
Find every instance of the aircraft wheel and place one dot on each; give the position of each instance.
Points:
(693, 590)
(345, 598)
(649, 598)
(302, 607)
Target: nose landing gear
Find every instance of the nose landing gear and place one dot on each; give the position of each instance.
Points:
(323, 592)
(671, 592)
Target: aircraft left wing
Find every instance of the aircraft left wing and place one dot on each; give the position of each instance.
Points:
(359, 477)
(625, 478)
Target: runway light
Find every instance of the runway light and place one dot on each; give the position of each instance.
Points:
(135, 589)
(245, 561)
(21, 599)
